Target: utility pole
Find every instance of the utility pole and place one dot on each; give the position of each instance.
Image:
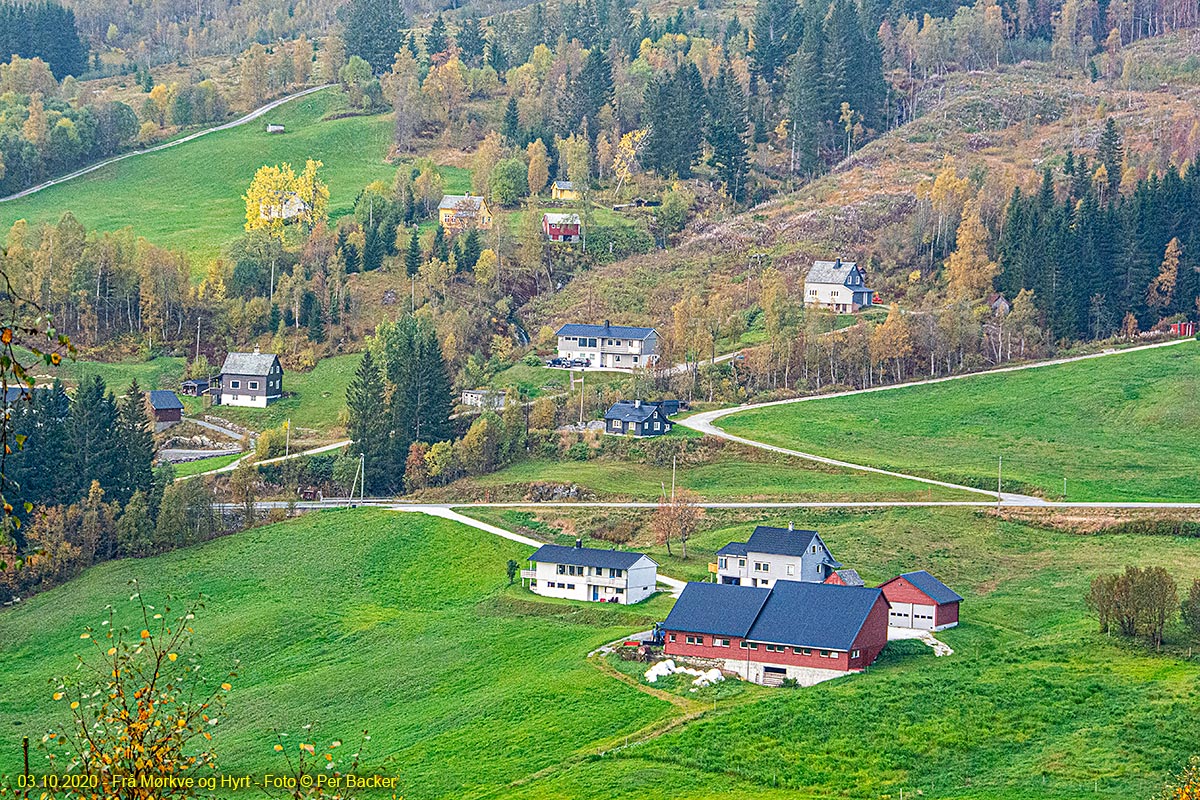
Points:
(362, 471)
(582, 375)
(999, 479)
(672, 479)
(197, 338)
(287, 442)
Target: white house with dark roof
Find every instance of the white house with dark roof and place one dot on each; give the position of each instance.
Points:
(838, 285)
(608, 346)
(587, 573)
(249, 379)
(775, 554)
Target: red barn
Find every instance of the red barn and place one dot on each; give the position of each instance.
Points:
(561, 227)
(845, 577)
(919, 600)
(808, 632)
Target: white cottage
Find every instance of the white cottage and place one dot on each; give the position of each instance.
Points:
(586, 573)
(838, 285)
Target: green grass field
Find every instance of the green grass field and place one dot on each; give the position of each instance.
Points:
(1116, 428)
(190, 197)
(398, 624)
(198, 466)
(537, 381)
(728, 478)
(403, 625)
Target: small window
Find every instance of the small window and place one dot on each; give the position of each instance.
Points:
(253, 384)
(570, 586)
(824, 654)
(854, 654)
(791, 569)
(721, 563)
(672, 637)
(741, 562)
(620, 590)
(720, 642)
(235, 384)
(562, 569)
(805, 652)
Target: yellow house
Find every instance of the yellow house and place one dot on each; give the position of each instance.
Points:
(459, 211)
(564, 190)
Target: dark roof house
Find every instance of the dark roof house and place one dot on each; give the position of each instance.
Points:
(919, 600)
(774, 554)
(636, 418)
(587, 556)
(249, 379)
(165, 407)
(607, 331)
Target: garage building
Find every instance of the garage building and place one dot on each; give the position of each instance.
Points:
(919, 600)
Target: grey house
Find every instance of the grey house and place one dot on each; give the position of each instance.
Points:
(775, 554)
(838, 285)
(636, 418)
(249, 379)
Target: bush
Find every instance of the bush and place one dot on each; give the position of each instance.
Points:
(579, 451)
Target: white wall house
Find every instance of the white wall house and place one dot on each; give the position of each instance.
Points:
(249, 379)
(775, 554)
(838, 285)
(586, 573)
(609, 346)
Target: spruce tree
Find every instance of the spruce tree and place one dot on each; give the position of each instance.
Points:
(436, 41)
(1111, 153)
(373, 32)
(471, 41)
(368, 423)
(727, 133)
(511, 127)
(91, 446)
(412, 257)
(134, 442)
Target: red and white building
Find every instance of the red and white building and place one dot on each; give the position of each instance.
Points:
(562, 227)
(920, 601)
(804, 631)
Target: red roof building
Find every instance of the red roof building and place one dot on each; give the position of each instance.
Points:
(919, 600)
(561, 227)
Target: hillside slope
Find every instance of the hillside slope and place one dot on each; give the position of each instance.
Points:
(1002, 127)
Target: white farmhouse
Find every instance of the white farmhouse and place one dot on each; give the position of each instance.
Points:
(586, 573)
(775, 554)
(608, 346)
(838, 285)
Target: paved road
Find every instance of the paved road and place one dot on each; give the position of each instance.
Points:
(704, 421)
(253, 115)
(177, 456)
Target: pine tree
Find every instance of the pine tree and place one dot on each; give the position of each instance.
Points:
(134, 443)
(368, 423)
(412, 257)
(440, 249)
(806, 100)
(1111, 153)
(373, 31)
(471, 41)
(727, 133)
(90, 432)
(776, 37)
(511, 127)
(436, 41)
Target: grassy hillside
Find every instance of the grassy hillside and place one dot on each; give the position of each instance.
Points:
(190, 197)
(1034, 703)
(317, 400)
(399, 624)
(1116, 428)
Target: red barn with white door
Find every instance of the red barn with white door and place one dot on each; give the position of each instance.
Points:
(919, 600)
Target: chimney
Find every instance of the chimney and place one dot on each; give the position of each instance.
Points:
(637, 403)
(579, 542)
(607, 324)
(791, 527)
(256, 350)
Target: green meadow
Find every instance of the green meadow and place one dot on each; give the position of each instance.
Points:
(405, 626)
(1120, 427)
(190, 197)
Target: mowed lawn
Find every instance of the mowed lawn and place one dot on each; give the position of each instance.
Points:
(1034, 702)
(728, 478)
(1121, 427)
(190, 197)
(398, 624)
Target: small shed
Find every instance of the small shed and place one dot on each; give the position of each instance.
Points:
(166, 408)
(564, 190)
(919, 600)
(275, 127)
(561, 227)
(194, 387)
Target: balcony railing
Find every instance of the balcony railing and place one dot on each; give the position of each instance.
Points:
(712, 567)
(529, 573)
(597, 580)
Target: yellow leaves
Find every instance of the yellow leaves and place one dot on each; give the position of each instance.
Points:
(6, 336)
(278, 748)
(145, 634)
(74, 704)
(226, 686)
(181, 722)
(208, 736)
(55, 359)
(308, 748)
(85, 636)
(329, 756)
(111, 651)
(58, 695)
(172, 656)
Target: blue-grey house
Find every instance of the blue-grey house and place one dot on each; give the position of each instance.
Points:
(775, 554)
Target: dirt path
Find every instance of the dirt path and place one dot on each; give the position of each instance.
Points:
(253, 115)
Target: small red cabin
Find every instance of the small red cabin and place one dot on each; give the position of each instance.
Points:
(1183, 329)
(561, 227)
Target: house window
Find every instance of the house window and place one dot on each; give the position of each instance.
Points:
(741, 562)
(720, 643)
(775, 648)
(672, 637)
(854, 654)
(656, 425)
(620, 590)
(762, 566)
(720, 563)
(791, 569)
(695, 640)
(635, 359)
(253, 384)
(618, 358)
(562, 569)
(747, 645)
(570, 586)
(802, 651)
(824, 654)
(814, 549)
(235, 384)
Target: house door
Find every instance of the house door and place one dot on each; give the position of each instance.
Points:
(729, 579)
(901, 615)
(922, 617)
(595, 592)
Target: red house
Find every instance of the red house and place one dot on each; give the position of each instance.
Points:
(561, 227)
(808, 632)
(919, 600)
